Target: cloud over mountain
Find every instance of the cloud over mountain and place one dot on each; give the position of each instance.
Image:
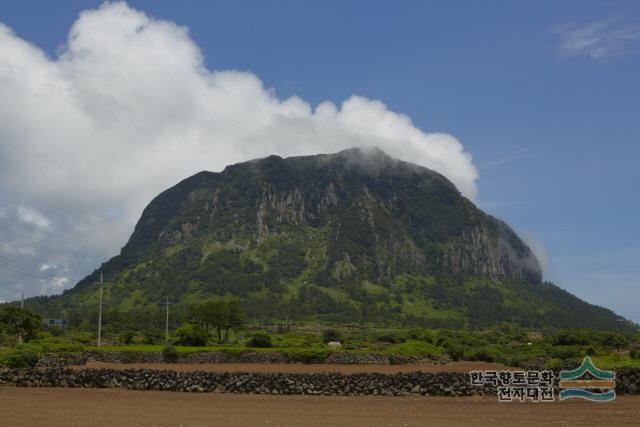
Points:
(127, 109)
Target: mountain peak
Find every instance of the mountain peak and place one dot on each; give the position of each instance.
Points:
(354, 235)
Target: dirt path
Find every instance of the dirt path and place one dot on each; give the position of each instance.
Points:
(111, 407)
(302, 368)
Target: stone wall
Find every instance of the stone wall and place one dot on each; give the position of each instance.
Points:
(419, 383)
(337, 357)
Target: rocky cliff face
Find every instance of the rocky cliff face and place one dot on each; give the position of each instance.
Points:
(379, 217)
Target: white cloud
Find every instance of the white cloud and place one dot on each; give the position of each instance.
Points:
(540, 252)
(128, 109)
(600, 39)
(32, 217)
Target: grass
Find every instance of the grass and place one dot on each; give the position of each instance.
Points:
(615, 361)
(414, 348)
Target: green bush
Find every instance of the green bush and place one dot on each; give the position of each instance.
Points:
(49, 344)
(260, 340)
(127, 337)
(23, 356)
(555, 364)
(421, 335)
(19, 322)
(82, 337)
(307, 355)
(414, 348)
(613, 340)
(191, 335)
(454, 350)
(153, 337)
(390, 338)
(7, 340)
(567, 352)
(329, 335)
(169, 354)
(484, 354)
(634, 354)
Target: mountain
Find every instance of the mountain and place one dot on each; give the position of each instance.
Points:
(351, 236)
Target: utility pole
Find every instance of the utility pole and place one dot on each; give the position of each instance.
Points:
(22, 307)
(100, 314)
(166, 325)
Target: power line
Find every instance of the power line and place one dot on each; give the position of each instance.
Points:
(16, 267)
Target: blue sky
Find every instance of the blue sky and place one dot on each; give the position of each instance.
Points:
(544, 95)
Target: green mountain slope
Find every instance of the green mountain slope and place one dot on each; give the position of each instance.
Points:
(352, 236)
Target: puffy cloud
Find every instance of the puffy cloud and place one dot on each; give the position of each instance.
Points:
(127, 109)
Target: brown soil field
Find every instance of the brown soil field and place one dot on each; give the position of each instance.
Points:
(114, 407)
(291, 368)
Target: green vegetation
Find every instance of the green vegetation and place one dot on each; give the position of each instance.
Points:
(191, 335)
(222, 315)
(307, 343)
(348, 238)
(289, 254)
(27, 354)
(413, 347)
(512, 346)
(169, 354)
(329, 335)
(260, 340)
(19, 323)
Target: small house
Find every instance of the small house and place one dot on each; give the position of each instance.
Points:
(59, 323)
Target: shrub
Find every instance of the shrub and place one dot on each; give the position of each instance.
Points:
(169, 354)
(454, 350)
(414, 348)
(191, 335)
(153, 337)
(260, 340)
(421, 335)
(58, 345)
(127, 337)
(79, 336)
(307, 355)
(7, 340)
(566, 352)
(634, 354)
(19, 322)
(388, 338)
(329, 335)
(555, 364)
(571, 337)
(485, 354)
(20, 357)
(614, 340)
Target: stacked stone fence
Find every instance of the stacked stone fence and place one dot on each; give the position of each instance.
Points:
(417, 383)
(335, 357)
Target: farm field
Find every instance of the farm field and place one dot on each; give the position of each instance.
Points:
(295, 368)
(109, 407)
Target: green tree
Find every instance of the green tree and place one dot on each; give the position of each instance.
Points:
(193, 335)
(222, 315)
(260, 340)
(19, 322)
